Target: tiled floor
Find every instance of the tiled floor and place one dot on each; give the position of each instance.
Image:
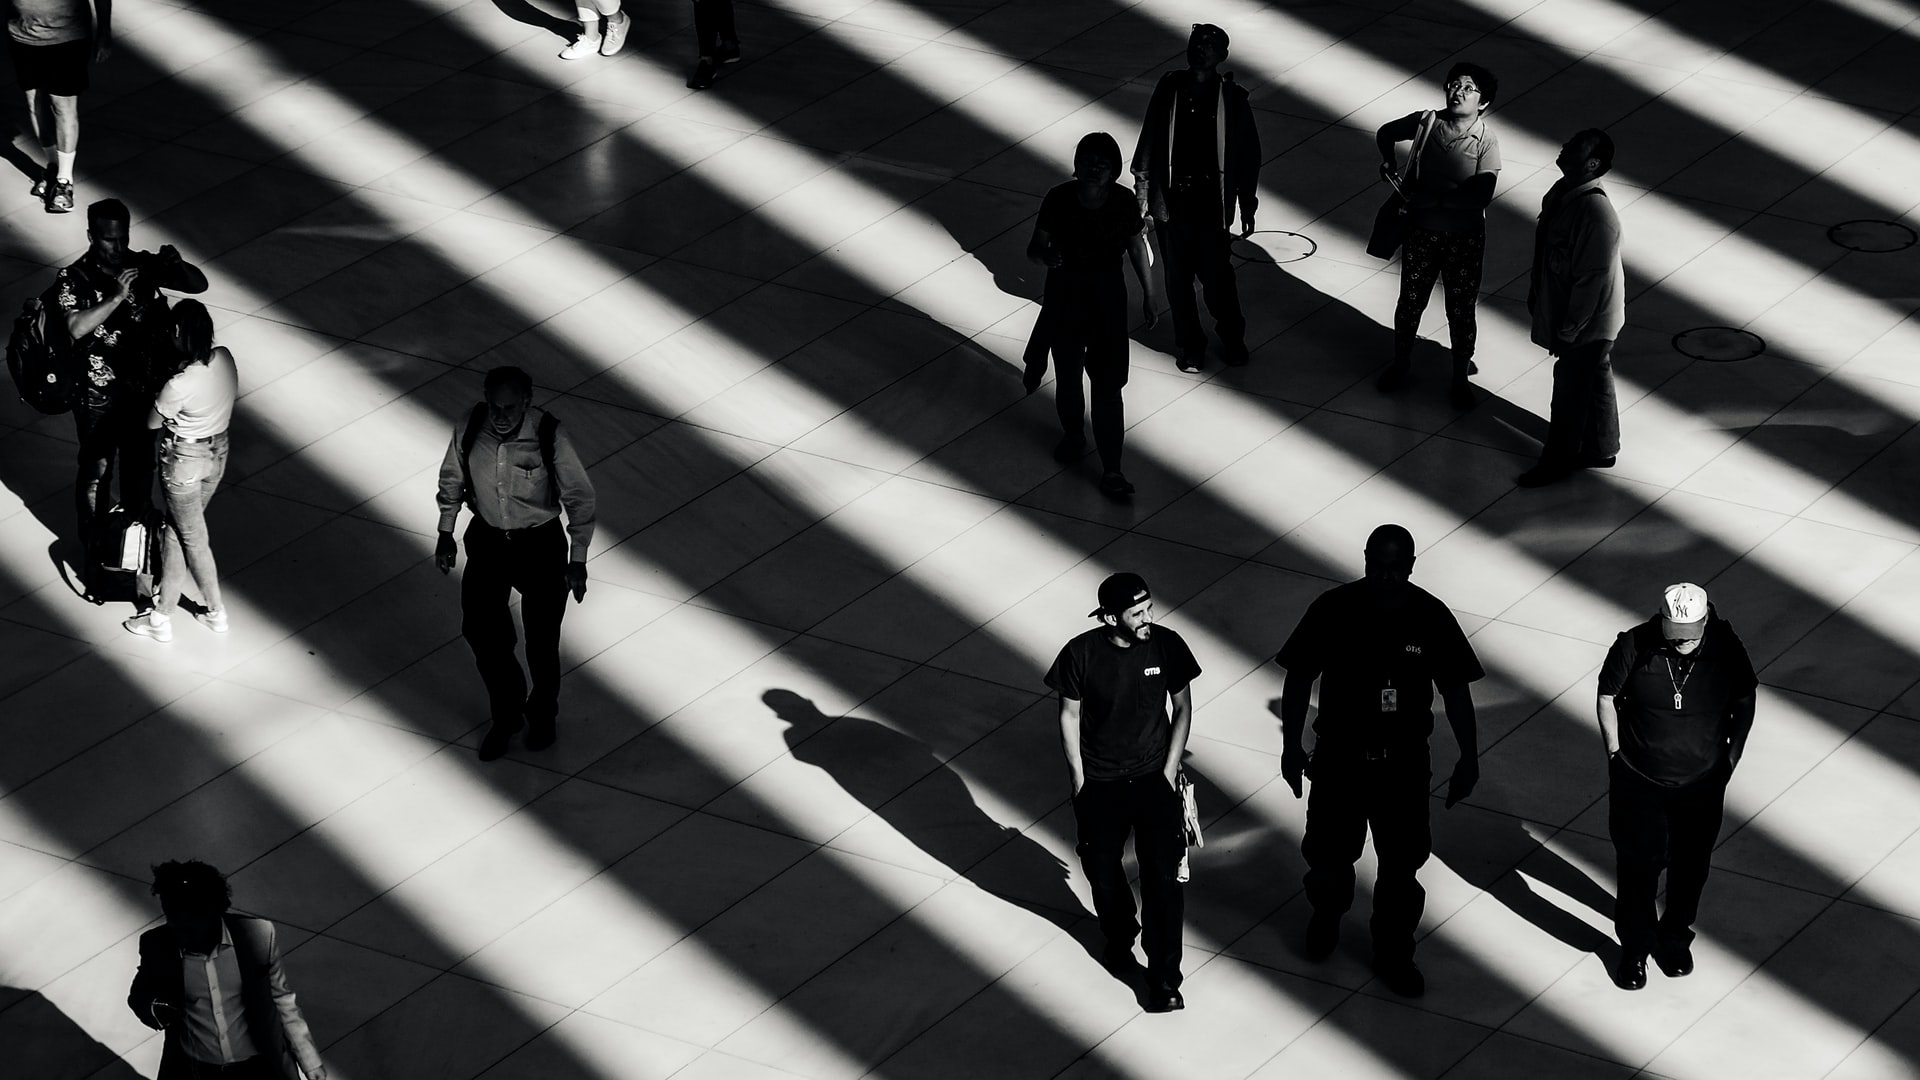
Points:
(806, 817)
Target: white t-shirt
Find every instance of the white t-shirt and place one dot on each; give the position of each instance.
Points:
(198, 402)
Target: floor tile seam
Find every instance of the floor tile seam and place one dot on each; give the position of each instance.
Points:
(1870, 1036)
(157, 706)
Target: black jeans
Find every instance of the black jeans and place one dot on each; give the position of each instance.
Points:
(1084, 322)
(112, 427)
(1105, 812)
(713, 25)
(1194, 244)
(1350, 793)
(1657, 827)
(534, 562)
(1584, 424)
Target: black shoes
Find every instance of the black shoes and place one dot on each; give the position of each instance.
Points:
(1322, 937)
(540, 734)
(728, 52)
(1394, 377)
(703, 73)
(1164, 1001)
(1402, 977)
(1114, 486)
(1632, 974)
(1675, 962)
(1543, 474)
(1191, 360)
(494, 745)
(1597, 463)
(1460, 393)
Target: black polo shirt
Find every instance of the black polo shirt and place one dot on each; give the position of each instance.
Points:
(1123, 692)
(1664, 742)
(1378, 650)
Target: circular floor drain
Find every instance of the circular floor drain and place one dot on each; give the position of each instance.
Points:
(1274, 245)
(1868, 234)
(1720, 344)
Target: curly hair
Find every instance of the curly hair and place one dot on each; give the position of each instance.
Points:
(191, 887)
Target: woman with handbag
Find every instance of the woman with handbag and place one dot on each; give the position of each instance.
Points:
(192, 413)
(1450, 176)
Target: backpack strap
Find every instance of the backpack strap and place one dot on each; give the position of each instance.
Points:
(546, 432)
(467, 438)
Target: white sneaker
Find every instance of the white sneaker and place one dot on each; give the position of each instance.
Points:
(583, 46)
(215, 621)
(615, 37)
(152, 624)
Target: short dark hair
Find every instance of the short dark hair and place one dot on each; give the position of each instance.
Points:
(190, 318)
(1104, 146)
(191, 888)
(1218, 35)
(107, 210)
(508, 376)
(1487, 81)
(1599, 146)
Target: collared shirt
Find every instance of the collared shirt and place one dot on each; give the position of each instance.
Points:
(198, 402)
(214, 1021)
(510, 488)
(1676, 710)
(116, 356)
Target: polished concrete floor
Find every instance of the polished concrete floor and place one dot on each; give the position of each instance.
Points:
(807, 815)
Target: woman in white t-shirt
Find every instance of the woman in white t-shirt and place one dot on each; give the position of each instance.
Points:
(192, 413)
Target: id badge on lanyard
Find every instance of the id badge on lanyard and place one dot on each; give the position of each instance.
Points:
(1389, 700)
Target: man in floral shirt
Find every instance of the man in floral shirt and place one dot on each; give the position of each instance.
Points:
(117, 320)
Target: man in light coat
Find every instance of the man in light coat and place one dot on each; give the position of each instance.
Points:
(1578, 298)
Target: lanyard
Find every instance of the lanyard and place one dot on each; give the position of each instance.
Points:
(1682, 684)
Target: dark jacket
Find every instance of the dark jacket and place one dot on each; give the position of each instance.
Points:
(1237, 143)
(273, 1017)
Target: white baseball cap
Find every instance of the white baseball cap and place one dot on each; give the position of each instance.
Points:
(1683, 612)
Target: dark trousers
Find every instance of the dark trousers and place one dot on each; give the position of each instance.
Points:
(1194, 244)
(1657, 827)
(256, 1067)
(534, 562)
(713, 25)
(111, 428)
(1350, 793)
(1585, 421)
(1103, 359)
(1455, 260)
(1105, 812)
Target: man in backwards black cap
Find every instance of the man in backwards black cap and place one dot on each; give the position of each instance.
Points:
(1378, 646)
(1123, 751)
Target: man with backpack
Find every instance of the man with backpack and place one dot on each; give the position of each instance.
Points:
(118, 324)
(516, 468)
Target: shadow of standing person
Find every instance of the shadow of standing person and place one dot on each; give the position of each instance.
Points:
(899, 778)
(1489, 851)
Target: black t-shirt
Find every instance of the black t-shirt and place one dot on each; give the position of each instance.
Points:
(1123, 691)
(1196, 134)
(1378, 652)
(1089, 239)
(1671, 744)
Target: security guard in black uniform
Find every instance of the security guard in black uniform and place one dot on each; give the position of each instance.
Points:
(1378, 646)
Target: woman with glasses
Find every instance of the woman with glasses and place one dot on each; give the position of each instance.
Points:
(1451, 170)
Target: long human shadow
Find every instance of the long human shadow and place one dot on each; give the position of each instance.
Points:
(43, 1042)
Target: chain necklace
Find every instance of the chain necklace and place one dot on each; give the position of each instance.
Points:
(1681, 685)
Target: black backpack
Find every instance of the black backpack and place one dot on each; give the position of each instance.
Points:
(549, 424)
(40, 358)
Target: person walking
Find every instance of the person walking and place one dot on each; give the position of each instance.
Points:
(1198, 157)
(719, 42)
(53, 43)
(1083, 227)
(1577, 298)
(1126, 709)
(1449, 182)
(514, 465)
(1378, 647)
(1676, 704)
(192, 412)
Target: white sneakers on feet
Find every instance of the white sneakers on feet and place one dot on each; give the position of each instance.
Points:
(152, 624)
(615, 37)
(215, 621)
(583, 46)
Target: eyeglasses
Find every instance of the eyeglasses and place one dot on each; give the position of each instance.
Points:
(1465, 86)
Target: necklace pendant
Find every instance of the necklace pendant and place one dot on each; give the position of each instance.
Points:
(1676, 699)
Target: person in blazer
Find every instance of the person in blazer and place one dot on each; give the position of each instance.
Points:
(212, 980)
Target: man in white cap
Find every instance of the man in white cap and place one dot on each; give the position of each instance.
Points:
(1676, 704)
(1123, 746)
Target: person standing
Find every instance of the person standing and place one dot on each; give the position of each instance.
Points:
(192, 413)
(1378, 646)
(1082, 229)
(1450, 178)
(52, 43)
(1675, 707)
(719, 41)
(1198, 155)
(1578, 300)
(213, 981)
(516, 468)
(1123, 748)
(118, 322)
(595, 37)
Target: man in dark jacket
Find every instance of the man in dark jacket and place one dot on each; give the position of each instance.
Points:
(1199, 153)
(1676, 704)
(212, 981)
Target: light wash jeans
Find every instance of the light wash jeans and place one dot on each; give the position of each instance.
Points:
(189, 474)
